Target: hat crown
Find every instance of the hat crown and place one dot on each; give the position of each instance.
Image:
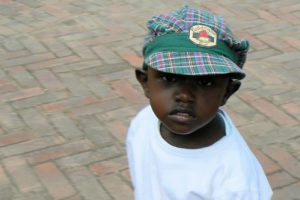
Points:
(183, 19)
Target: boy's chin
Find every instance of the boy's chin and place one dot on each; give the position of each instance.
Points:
(181, 132)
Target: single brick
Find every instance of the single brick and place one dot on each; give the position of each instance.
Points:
(22, 76)
(95, 132)
(22, 174)
(117, 75)
(82, 51)
(109, 166)
(284, 159)
(33, 45)
(54, 180)
(76, 197)
(64, 105)
(22, 94)
(238, 119)
(262, 72)
(87, 185)
(35, 101)
(243, 109)
(56, 10)
(12, 45)
(31, 145)
(71, 36)
(290, 192)
(267, 15)
(280, 179)
(77, 66)
(295, 42)
(9, 119)
(125, 89)
(27, 60)
(127, 112)
(107, 54)
(5, 30)
(8, 87)
(118, 129)
(103, 106)
(87, 158)
(293, 109)
(248, 96)
(56, 152)
(100, 89)
(268, 165)
(49, 80)
(273, 112)
(71, 81)
(31, 3)
(18, 26)
(65, 126)
(37, 122)
(107, 39)
(14, 138)
(117, 187)
(56, 47)
(276, 43)
(53, 62)
(284, 57)
(131, 57)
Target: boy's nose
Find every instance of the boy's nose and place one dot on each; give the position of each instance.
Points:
(185, 92)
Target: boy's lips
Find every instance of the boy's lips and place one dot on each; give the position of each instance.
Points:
(182, 115)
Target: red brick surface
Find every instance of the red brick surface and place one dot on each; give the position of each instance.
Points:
(68, 92)
(56, 183)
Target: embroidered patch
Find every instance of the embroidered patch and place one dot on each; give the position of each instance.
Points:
(203, 35)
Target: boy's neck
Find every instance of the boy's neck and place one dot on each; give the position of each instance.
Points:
(201, 138)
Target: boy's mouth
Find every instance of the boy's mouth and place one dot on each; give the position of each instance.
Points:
(182, 115)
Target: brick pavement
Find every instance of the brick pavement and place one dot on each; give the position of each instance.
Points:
(67, 93)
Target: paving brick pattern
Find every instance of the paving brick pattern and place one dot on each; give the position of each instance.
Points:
(68, 92)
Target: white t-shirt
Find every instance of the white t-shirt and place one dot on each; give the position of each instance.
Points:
(226, 170)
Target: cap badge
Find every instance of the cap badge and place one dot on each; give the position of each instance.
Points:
(203, 35)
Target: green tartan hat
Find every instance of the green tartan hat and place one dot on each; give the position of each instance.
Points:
(192, 41)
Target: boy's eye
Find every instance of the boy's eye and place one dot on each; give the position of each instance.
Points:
(205, 82)
(168, 78)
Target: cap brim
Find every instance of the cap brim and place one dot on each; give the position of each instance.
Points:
(193, 63)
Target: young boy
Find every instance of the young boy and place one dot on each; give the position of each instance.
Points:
(183, 146)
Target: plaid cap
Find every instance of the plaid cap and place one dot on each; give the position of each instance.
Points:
(194, 42)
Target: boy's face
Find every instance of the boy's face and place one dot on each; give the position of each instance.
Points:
(183, 103)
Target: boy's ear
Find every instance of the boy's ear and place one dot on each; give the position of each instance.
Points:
(233, 86)
(142, 76)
